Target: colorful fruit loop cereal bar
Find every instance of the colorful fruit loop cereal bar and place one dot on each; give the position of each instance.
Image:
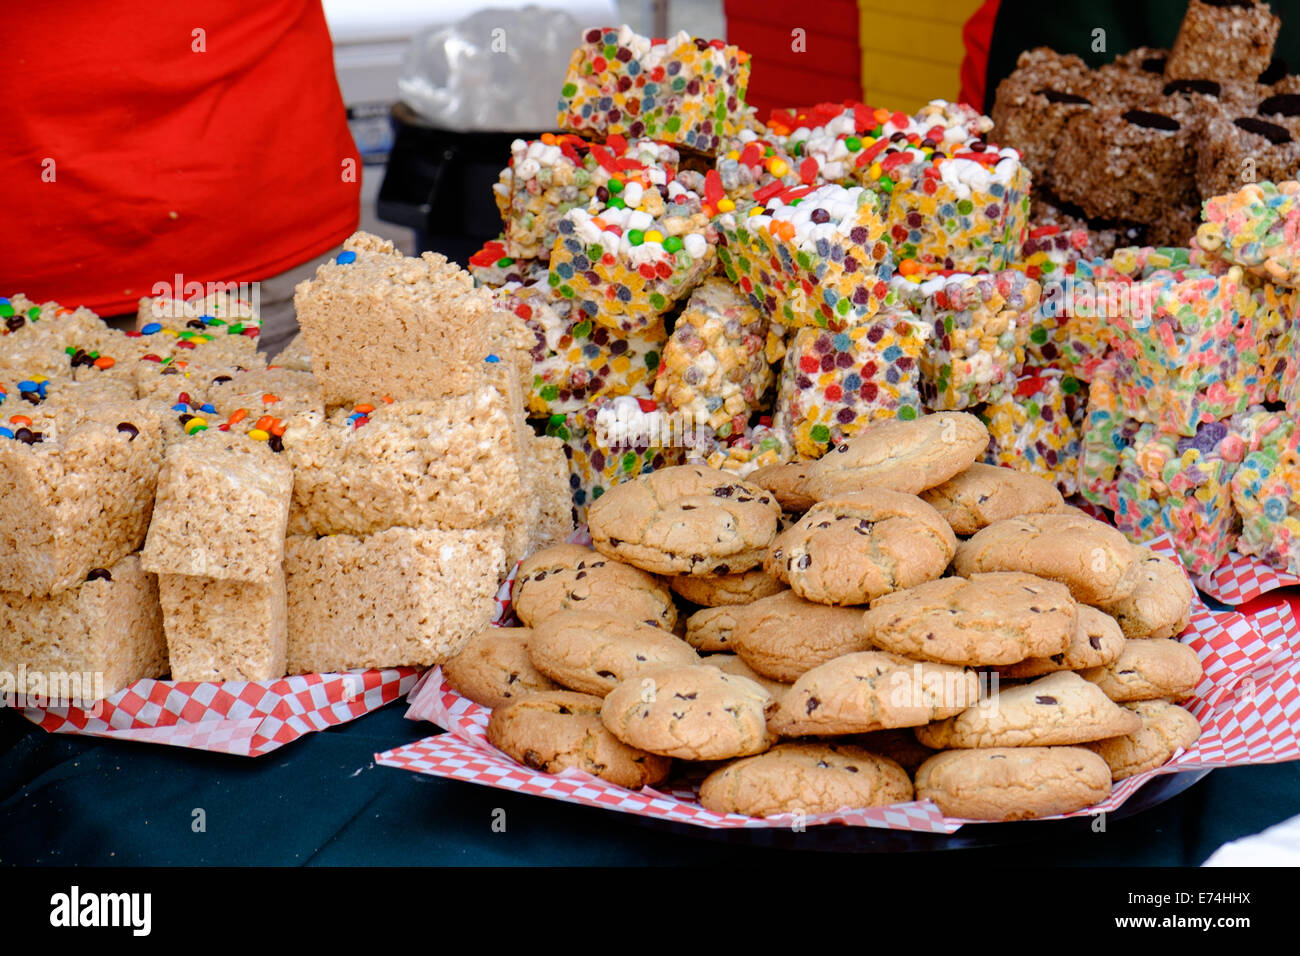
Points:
(573, 358)
(1257, 228)
(980, 324)
(1274, 313)
(549, 176)
(1190, 357)
(715, 365)
(746, 451)
(1106, 433)
(753, 163)
(625, 266)
(810, 257)
(1076, 315)
(1266, 493)
(680, 90)
(492, 267)
(834, 384)
(1034, 428)
(614, 439)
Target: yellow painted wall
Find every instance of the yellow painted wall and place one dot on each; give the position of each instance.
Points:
(911, 50)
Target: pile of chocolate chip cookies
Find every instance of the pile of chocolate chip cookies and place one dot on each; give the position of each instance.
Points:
(891, 622)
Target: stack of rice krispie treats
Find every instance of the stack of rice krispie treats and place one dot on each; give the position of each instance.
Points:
(176, 506)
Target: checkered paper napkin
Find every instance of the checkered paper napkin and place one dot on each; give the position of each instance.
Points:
(248, 718)
(1248, 704)
(1242, 577)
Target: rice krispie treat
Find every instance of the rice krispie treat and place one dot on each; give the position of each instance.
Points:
(574, 359)
(109, 626)
(490, 266)
(29, 328)
(834, 384)
(403, 596)
(224, 630)
(1034, 102)
(76, 492)
(810, 257)
(549, 176)
(450, 463)
(1223, 40)
(680, 90)
(1238, 144)
(981, 325)
(1035, 428)
(625, 266)
(746, 451)
(365, 318)
(715, 365)
(221, 510)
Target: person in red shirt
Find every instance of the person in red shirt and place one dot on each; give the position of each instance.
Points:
(145, 142)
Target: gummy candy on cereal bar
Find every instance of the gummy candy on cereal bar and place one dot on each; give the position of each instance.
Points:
(110, 624)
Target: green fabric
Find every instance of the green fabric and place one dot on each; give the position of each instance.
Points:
(1068, 28)
(68, 800)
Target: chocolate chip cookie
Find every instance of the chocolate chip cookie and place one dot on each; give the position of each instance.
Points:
(692, 712)
(1166, 729)
(733, 664)
(859, 693)
(786, 482)
(1092, 559)
(494, 667)
(569, 576)
(983, 494)
(905, 456)
(997, 618)
(710, 590)
(1097, 640)
(1148, 669)
(852, 548)
(687, 519)
(709, 629)
(1161, 605)
(554, 730)
(783, 636)
(594, 651)
(1058, 709)
(806, 778)
(1013, 783)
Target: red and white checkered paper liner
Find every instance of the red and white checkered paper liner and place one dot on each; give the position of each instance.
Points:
(248, 718)
(1243, 577)
(1248, 704)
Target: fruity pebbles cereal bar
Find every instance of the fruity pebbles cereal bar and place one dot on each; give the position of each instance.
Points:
(1035, 427)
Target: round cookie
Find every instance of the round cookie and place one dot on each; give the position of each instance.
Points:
(805, 778)
(996, 618)
(983, 494)
(554, 730)
(1013, 783)
(569, 576)
(1058, 709)
(1092, 559)
(733, 664)
(710, 629)
(692, 712)
(685, 520)
(494, 667)
(850, 549)
(859, 693)
(900, 455)
(1097, 641)
(1166, 729)
(783, 636)
(1161, 605)
(1148, 669)
(709, 590)
(594, 651)
(786, 482)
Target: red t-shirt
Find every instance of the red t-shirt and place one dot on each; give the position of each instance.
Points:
(137, 148)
